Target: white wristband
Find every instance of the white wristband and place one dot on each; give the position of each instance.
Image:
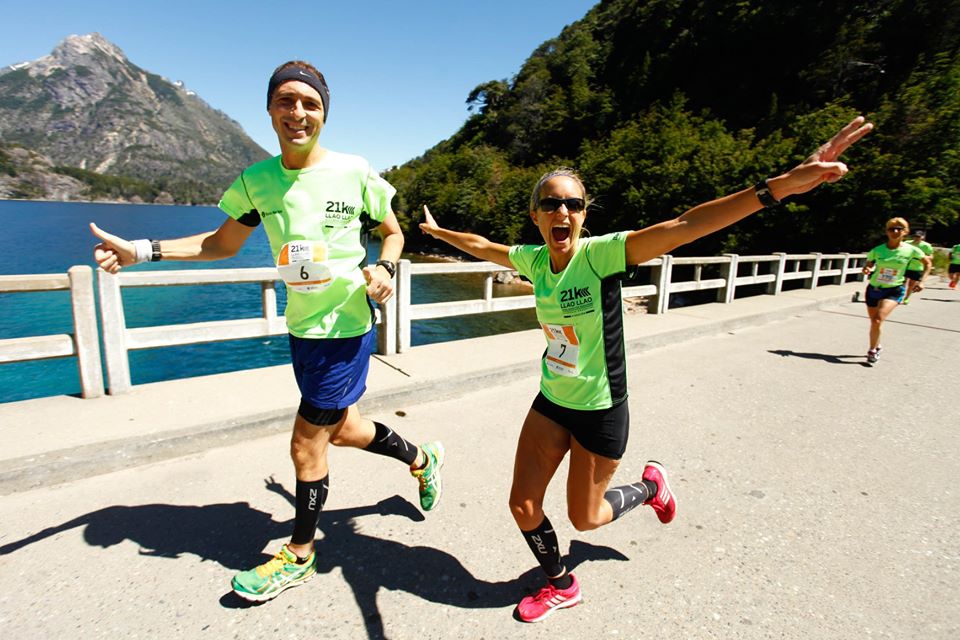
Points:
(143, 250)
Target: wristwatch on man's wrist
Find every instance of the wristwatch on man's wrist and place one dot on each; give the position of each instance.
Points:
(764, 195)
(389, 265)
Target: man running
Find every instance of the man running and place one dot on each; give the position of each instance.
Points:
(312, 203)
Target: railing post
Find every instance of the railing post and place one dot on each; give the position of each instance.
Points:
(775, 287)
(85, 337)
(661, 276)
(114, 333)
(403, 305)
(268, 301)
(844, 268)
(488, 289)
(387, 333)
(814, 279)
(728, 271)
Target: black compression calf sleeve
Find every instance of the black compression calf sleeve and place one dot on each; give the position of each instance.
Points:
(310, 499)
(386, 442)
(625, 498)
(543, 543)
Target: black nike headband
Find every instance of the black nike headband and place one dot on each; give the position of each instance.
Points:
(306, 76)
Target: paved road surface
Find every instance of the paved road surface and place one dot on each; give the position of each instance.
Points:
(817, 499)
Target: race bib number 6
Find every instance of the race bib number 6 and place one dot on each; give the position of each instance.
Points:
(302, 265)
(563, 349)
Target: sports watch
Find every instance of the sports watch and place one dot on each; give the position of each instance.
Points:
(764, 195)
(389, 265)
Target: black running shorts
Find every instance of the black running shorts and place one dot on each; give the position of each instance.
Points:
(603, 431)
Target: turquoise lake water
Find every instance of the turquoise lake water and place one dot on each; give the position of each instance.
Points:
(50, 237)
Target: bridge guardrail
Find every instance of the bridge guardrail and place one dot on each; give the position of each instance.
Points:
(395, 318)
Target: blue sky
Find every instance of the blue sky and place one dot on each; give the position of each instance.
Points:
(399, 72)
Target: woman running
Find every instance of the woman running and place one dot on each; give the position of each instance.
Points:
(887, 267)
(581, 407)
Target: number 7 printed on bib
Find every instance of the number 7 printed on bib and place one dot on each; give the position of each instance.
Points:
(302, 265)
(563, 349)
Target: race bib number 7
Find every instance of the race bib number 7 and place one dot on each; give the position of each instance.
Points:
(563, 349)
(302, 265)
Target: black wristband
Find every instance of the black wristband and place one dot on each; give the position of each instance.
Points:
(388, 265)
(155, 251)
(764, 195)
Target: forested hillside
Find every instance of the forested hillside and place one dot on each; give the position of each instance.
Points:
(661, 104)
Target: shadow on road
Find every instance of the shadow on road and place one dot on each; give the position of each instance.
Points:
(369, 564)
(826, 357)
(235, 534)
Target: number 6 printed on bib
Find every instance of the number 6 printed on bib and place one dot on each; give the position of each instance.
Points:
(563, 349)
(302, 265)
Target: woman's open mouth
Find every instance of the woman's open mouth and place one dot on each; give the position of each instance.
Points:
(560, 233)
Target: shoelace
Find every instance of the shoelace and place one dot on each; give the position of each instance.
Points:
(272, 566)
(546, 593)
(423, 476)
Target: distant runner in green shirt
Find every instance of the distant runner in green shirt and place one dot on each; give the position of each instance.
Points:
(887, 267)
(954, 266)
(916, 274)
(582, 405)
(313, 204)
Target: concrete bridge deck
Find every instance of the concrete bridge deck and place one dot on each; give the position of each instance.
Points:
(817, 495)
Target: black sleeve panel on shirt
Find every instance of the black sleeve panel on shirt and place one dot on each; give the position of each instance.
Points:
(250, 218)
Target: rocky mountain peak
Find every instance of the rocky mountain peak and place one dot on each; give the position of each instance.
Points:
(91, 50)
(91, 108)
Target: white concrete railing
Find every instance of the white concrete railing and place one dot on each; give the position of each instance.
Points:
(395, 317)
(83, 342)
(119, 340)
(810, 268)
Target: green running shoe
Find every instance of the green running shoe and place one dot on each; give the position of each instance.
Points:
(274, 576)
(429, 476)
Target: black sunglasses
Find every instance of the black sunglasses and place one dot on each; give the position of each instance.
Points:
(574, 205)
(894, 228)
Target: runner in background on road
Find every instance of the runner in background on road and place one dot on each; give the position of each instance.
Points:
(915, 272)
(954, 267)
(582, 404)
(312, 202)
(887, 267)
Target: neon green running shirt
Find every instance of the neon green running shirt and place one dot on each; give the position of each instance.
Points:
(318, 210)
(891, 264)
(927, 248)
(955, 255)
(579, 310)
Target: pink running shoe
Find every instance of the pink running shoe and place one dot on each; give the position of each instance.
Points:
(547, 600)
(664, 503)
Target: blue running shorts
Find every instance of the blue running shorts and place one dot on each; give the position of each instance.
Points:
(332, 372)
(876, 294)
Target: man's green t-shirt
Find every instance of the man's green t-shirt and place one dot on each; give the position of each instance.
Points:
(955, 254)
(891, 264)
(313, 218)
(579, 312)
(927, 248)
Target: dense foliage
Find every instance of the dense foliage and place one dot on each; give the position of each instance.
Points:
(661, 104)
